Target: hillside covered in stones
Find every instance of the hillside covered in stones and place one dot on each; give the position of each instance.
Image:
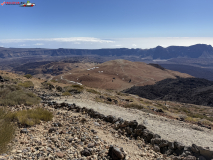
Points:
(79, 132)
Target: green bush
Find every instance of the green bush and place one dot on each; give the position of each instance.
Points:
(28, 76)
(7, 130)
(32, 116)
(26, 84)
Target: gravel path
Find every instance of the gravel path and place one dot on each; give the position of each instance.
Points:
(168, 129)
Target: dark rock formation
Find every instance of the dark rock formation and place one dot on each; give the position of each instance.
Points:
(186, 90)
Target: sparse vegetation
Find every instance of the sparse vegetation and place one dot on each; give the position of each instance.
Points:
(28, 76)
(14, 95)
(54, 81)
(162, 106)
(93, 91)
(74, 89)
(190, 119)
(26, 84)
(31, 117)
(7, 130)
(110, 90)
(133, 105)
(77, 86)
(121, 94)
(47, 85)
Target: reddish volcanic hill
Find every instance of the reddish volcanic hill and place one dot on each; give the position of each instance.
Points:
(119, 74)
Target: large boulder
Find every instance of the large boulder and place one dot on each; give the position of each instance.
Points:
(116, 153)
(205, 152)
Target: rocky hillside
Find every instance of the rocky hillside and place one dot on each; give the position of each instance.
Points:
(185, 90)
(93, 130)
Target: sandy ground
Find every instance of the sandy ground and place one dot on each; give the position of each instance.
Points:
(168, 129)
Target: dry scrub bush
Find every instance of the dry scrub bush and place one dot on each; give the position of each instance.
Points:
(74, 89)
(93, 91)
(28, 76)
(77, 86)
(31, 117)
(14, 95)
(7, 130)
(26, 84)
(133, 105)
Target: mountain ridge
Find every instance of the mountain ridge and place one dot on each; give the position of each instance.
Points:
(194, 51)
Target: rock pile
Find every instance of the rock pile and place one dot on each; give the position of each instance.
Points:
(63, 138)
(75, 136)
(133, 130)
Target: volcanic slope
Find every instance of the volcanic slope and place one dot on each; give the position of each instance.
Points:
(118, 74)
(186, 90)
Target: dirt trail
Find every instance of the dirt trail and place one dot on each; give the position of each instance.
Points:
(168, 129)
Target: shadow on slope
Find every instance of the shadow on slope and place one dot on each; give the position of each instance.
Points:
(197, 72)
(186, 90)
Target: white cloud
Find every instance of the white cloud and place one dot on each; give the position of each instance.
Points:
(72, 39)
(22, 45)
(117, 45)
(39, 44)
(77, 43)
(97, 43)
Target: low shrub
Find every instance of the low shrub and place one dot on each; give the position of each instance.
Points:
(133, 105)
(74, 89)
(93, 91)
(54, 81)
(77, 86)
(31, 117)
(28, 76)
(47, 85)
(14, 95)
(26, 84)
(7, 130)
(162, 106)
(191, 119)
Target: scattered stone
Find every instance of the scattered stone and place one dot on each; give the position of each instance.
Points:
(115, 153)
(24, 130)
(59, 154)
(85, 152)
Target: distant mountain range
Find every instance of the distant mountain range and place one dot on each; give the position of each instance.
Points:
(194, 51)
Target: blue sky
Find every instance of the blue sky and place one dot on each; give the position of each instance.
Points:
(106, 23)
